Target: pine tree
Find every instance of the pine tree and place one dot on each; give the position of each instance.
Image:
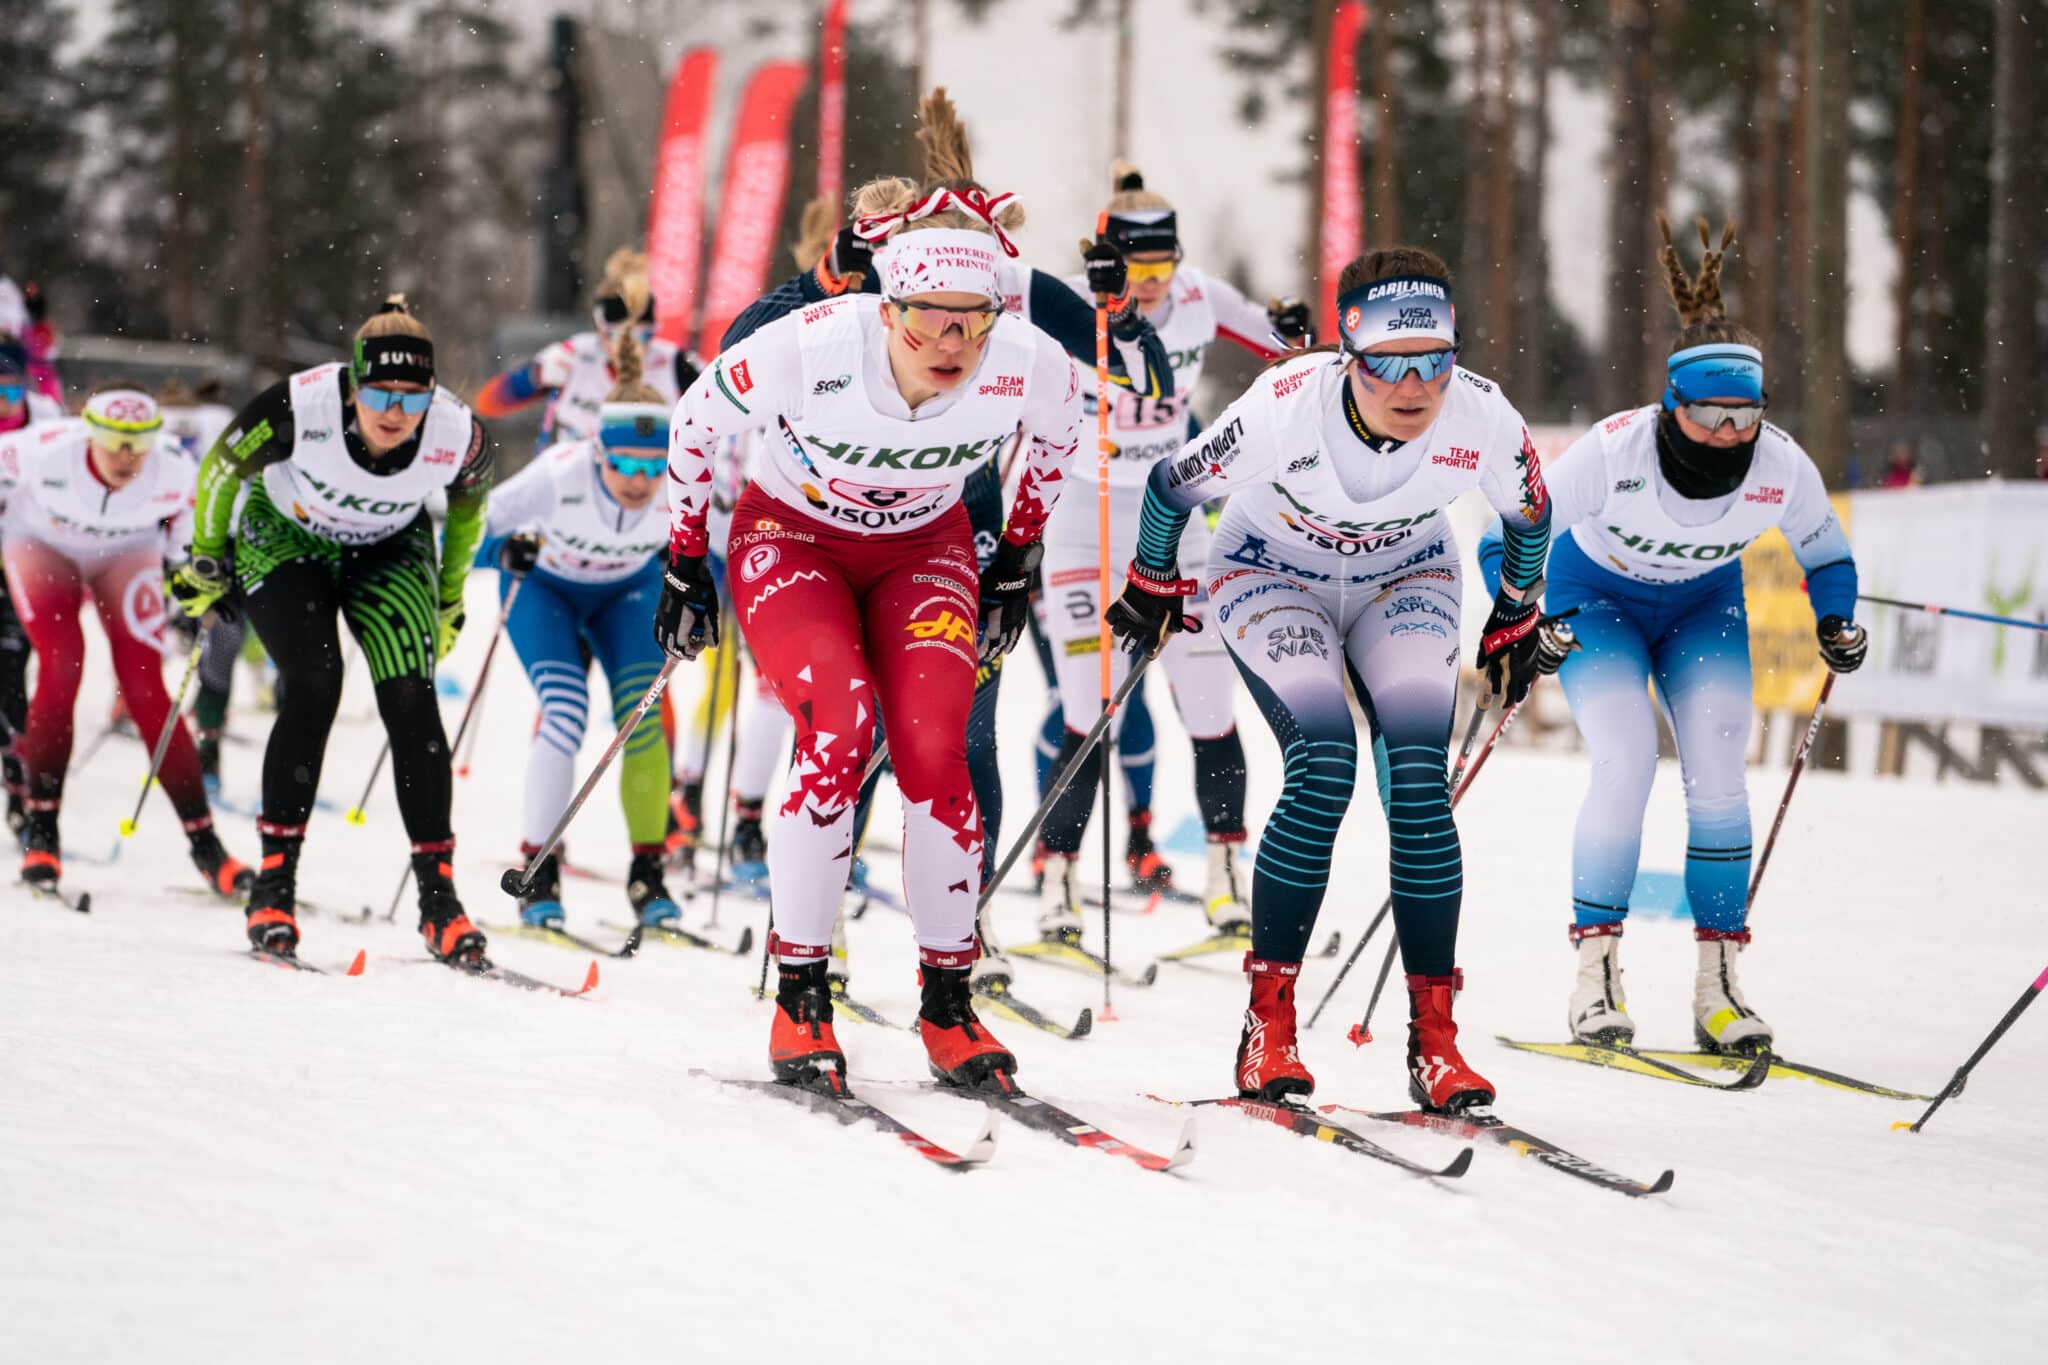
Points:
(42, 240)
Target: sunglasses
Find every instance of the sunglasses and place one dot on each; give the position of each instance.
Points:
(125, 442)
(1392, 369)
(384, 400)
(646, 466)
(1712, 415)
(932, 323)
(13, 393)
(1139, 272)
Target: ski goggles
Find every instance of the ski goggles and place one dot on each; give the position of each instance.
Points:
(1428, 366)
(384, 400)
(13, 393)
(1140, 272)
(1742, 417)
(628, 466)
(933, 323)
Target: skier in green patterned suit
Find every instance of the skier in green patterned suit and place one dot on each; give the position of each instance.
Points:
(338, 462)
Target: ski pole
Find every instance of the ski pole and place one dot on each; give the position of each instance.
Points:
(1361, 1033)
(1955, 1085)
(1820, 704)
(1933, 610)
(163, 738)
(469, 752)
(476, 694)
(1061, 780)
(517, 880)
(732, 749)
(875, 761)
(356, 815)
(1103, 641)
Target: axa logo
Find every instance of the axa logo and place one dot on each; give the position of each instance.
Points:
(1765, 493)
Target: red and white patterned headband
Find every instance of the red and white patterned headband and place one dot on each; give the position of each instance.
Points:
(974, 203)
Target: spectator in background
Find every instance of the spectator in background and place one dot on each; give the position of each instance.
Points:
(1901, 470)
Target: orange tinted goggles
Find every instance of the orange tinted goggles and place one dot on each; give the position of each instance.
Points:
(933, 323)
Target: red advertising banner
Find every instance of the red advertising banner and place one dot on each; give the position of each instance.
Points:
(832, 106)
(1343, 225)
(675, 220)
(750, 206)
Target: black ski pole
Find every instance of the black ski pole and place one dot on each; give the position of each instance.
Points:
(1820, 704)
(1955, 1085)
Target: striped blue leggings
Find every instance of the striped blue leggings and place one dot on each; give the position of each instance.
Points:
(1295, 644)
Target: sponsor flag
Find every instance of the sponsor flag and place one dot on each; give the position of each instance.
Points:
(675, 220)
(750, 206)
(1343, 205)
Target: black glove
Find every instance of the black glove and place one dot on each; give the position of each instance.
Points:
(1290, 320)
(1842, 643)
(1554, 644)
(1508, 645)
(1006, 596)
(1104, 262)
(32, 299)
(686, 618)
(1148, 614)
(850, 253)
(519, 554)
(688, 367)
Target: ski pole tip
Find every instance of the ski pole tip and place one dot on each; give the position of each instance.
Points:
(1359, 1035)
(127, 828)
(356, 816)
(1906, 1124)
(590, 978)
(355, 968)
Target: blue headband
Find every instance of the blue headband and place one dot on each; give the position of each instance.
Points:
(1719, 369)
(1396, 309)
(633, 426)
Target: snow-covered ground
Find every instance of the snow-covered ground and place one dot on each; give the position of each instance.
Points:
(205, 1159)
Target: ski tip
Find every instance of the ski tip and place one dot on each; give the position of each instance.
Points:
(1662, 1182)
(1184, 1149)
(1359, 1035)
(356, 816)
(631, 947)
(746, 944)
(1084, 1024)
(1150, 975)
(1759, 1072)
(589, 979)
(1152, 905)
(355, 968)
(1334, 946)
(984, 1145)
(1458, 1165)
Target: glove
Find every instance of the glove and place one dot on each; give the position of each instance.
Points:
(1108, 279)
(1554, 644)
(851, 254)
(1006, 596)
(686, 618)
(448, 625)
(1290, 320)
(1842, 643)
(1508, 646)
(1149, 612)
(202, 584)
(519, 554)
(32, 299)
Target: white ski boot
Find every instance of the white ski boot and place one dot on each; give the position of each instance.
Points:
(991, 968)
(1058, 919)
(1598, 1012)
(1223, 895)
(1722, 1020)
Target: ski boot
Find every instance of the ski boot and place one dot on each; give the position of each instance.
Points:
(229, 877)
(273, 897)
(540, 905)
(1722, 1020)
(801, 1044)
(1058, 920)
(749, 844)
(449, 935)
(209, 760)
(1149, 871)
(1598, 1012)
(17, 782)
(1268, 1060)
(991, 970)
(42, 859)
(1223, 894)
(1439, 1079)
(646, 890)
(958, 1045)
(685, 824)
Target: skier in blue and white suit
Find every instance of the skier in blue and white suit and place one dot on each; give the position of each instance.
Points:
(1334, 561)
(1652, 509)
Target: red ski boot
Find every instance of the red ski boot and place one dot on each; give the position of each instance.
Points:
(801, 1045)
(961, 1050)
(1268, 1063)
(1438, 1077)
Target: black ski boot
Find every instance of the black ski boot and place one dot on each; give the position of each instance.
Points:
(646, 889)
(42, 856)
(749, 842)
(209, 759)
(449, 935)
(540, 905)
(229, 878)
(273, 896)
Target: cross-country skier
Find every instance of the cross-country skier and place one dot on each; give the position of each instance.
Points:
(1138, 362)
(93, 505)
(592, 523)
(1335, 559)
(338, 463)
(1654, 507)
(196, 420)
(20, 404)
(25, 318)
(853, 570)
(575, 374)
(1190, 310)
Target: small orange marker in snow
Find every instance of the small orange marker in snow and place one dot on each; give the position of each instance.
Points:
(356, 968)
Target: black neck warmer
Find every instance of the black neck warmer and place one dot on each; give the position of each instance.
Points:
(1699, 471)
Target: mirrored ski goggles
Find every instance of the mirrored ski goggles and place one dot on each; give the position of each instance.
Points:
(932, 323)
(1711, 415)
(1139, 272)
(383, 400)
(1392, 369)
(125, 442)
(627, 466)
